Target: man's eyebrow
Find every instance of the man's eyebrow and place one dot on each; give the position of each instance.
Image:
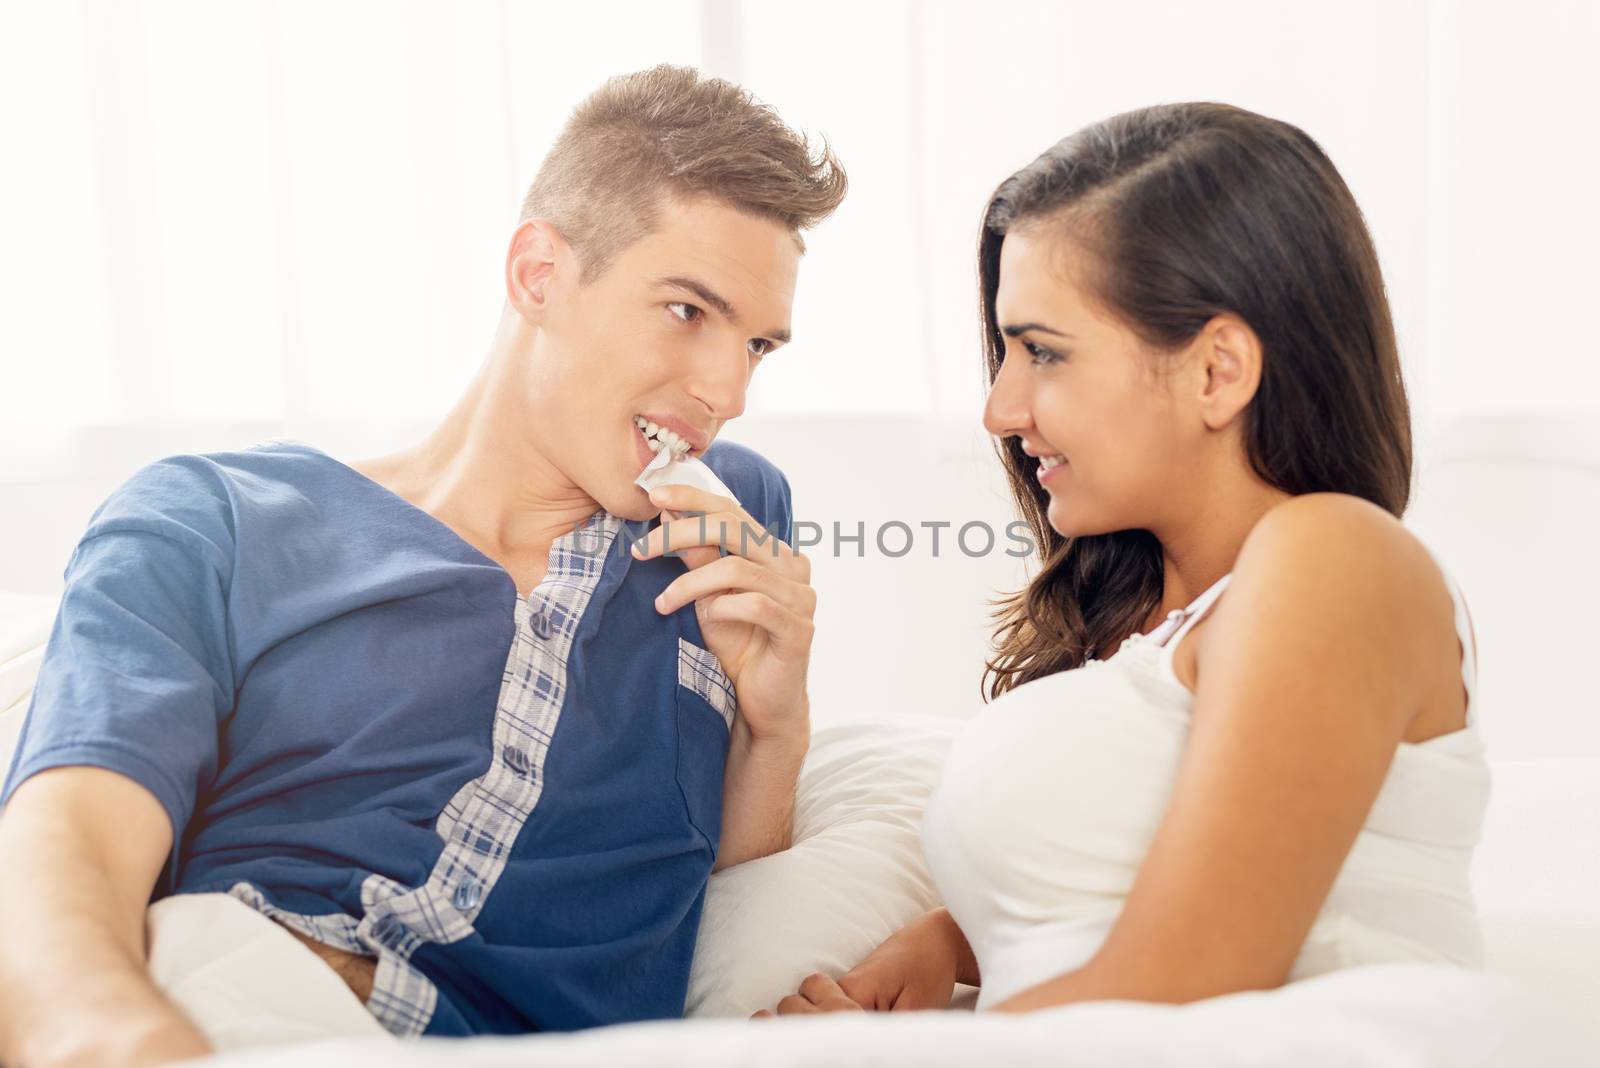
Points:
(704, 292)
(711, 297)
(1018, 329)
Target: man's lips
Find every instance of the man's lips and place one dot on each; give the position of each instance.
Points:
(642, 448)
(645, 456)
(698, 439)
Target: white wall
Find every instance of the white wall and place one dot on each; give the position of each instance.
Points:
(898, 633)
(319, 234)
(1512, 505)
(314, 245)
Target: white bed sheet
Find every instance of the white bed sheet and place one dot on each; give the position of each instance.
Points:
(1381, 1016)
(1535, 872)
(253, 988)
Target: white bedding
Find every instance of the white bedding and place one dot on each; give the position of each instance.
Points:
(253, 988)
(855, 876)
(1381, 1016)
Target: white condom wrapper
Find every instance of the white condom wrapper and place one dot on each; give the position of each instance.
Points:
(664, 470)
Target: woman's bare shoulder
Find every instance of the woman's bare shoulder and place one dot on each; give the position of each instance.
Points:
(1333, 573)
(1328, 538)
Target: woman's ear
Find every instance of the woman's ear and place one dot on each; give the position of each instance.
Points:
(1230, 359)
(530, 267)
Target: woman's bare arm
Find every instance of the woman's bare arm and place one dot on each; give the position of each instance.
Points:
(1317, 662)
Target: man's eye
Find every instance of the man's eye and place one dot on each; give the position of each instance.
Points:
(689, 314)
(759, 346)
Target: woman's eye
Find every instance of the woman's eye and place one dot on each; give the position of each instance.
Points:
(1039, 353)
(690, 312)
(759, 346)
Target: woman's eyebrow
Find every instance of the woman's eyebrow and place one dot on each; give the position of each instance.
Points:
(1017, 329)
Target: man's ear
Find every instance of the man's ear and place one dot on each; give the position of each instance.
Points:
(531, 267)
(1230, 356)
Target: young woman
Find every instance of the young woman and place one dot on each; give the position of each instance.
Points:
(1232, 740)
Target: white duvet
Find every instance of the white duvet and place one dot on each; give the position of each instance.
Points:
(1384, 1015)
(258, 992)
(855, 875)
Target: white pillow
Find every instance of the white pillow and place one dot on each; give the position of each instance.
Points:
(854, 875)
(1536, 877)
(25, 622)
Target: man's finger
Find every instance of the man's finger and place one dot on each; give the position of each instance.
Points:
(788, 630)
(732, 533)
(681, 498)
(735, 574)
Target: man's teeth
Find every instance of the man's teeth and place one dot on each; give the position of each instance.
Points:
(1047, 462)
(657, 436)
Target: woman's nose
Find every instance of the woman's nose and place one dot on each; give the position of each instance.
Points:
(1007, 409)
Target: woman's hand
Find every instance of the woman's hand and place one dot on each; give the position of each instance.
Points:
(917, 967)
(817, 993)
(753, 598)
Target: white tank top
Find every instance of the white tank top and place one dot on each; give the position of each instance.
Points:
(1051, 795)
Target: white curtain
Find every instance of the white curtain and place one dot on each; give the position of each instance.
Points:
(286, 215)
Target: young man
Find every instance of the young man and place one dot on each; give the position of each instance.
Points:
(429, 711)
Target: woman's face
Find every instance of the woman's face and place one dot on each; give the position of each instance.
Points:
(1080, 388)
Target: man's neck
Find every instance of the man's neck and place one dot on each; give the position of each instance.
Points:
(480, 474)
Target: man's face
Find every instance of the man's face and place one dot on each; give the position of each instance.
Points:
(671, 331)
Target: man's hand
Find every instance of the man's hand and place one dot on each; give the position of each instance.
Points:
(752, 595)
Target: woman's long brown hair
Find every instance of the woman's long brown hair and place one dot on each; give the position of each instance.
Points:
(1186, 211)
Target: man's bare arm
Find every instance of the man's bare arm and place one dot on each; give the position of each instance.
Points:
(80, 850)
(758, 794)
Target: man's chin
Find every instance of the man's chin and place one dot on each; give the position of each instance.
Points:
(628, 502)
(638, 513)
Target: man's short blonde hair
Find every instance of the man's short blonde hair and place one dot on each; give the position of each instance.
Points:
(669, 131)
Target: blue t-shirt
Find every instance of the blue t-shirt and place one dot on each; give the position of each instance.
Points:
(359, 727)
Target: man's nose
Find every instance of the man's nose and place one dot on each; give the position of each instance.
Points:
(721, 385)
